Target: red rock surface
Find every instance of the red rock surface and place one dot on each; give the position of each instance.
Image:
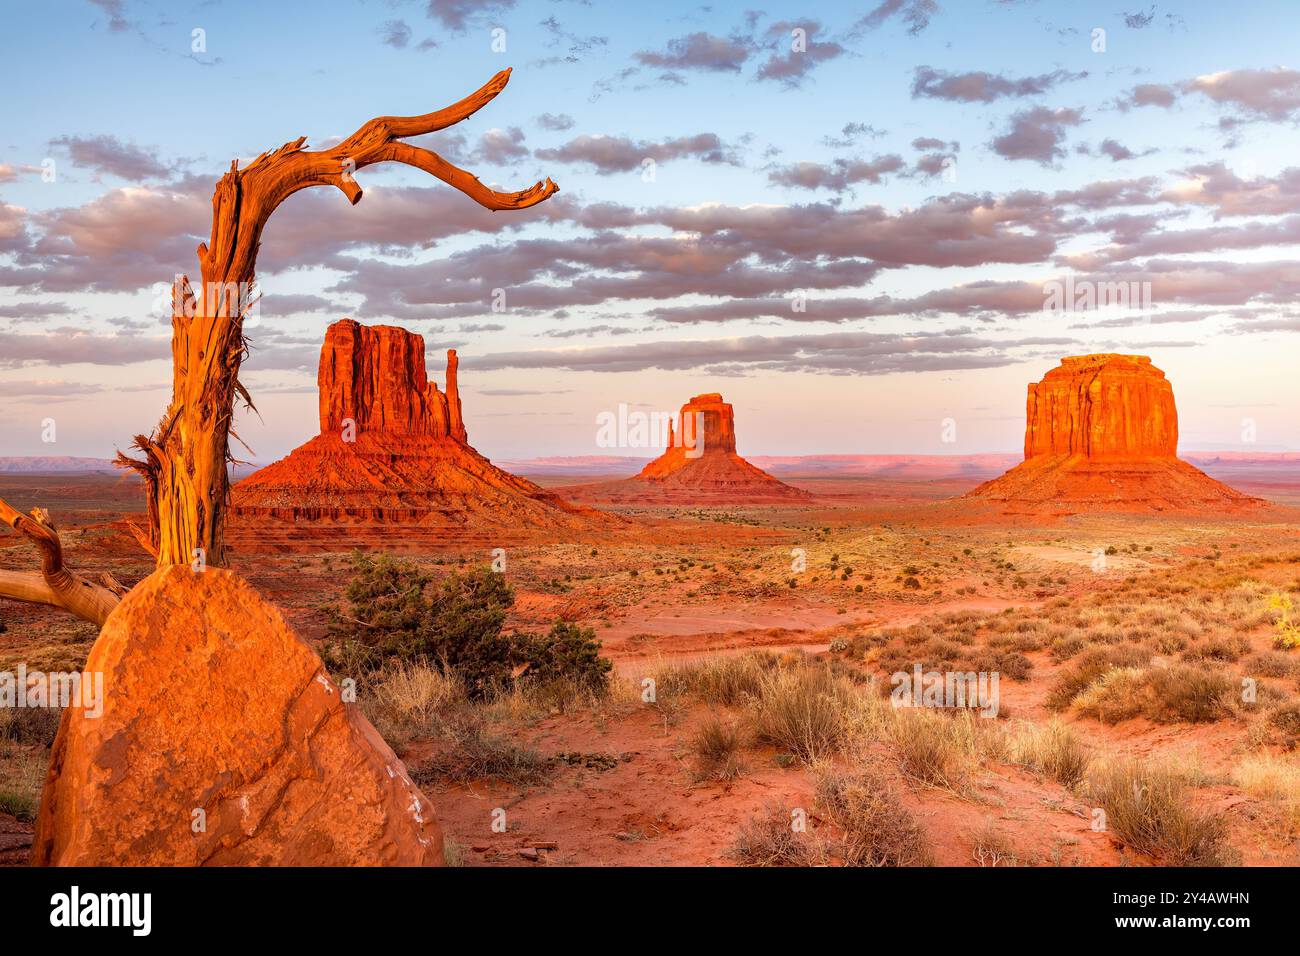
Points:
(700, 464)
(1110, 407)
(211, 703)
(408, 465)
(1101, 433)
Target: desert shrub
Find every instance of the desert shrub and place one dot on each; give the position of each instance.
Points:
(1168, 642)
(18, 804)
(1226, 648)
(1271, 664)
(802, 710)
(717, 746)
(398, 612)
(1287, 627)
(770, 839)
(22, 777)
(1052, 750)
(569, 654)
(1163, 694)
(30, 725)
(1114, 696)
(1150, 808)
(1009, 664)
(1090, 666)
(877, 830)
(1286, 719)
(1063, 648)
(1192, 694)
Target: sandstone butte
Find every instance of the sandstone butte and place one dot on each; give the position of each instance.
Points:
(1101, 433)
(392, 455)
(699, 465)
(222, 742)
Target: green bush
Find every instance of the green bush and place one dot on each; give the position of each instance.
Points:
(398, 612)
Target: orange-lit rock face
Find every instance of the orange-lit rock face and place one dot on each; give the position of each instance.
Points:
(374, 377)
(222, 741)
(392, 450)
(1101, 434)
(701, 461)
(706, 425)
(1106, 407)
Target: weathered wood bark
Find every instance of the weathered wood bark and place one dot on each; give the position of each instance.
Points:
(90, 598)
(185, 459)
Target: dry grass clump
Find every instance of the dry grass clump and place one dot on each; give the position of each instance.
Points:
(876, 829)
(1286, 721)
(418, 691)
(1088, 669)
(30, 725)
(943, 748)
(1052, 749)
(991, 847)
(725, 679)
(473, 753)
(22, 777)
(1164, 694)
(1275, 779)
(1150, 808)
(1222, 647)
(803, 710)
(1272, 664)
(717, 746)
(770, 839)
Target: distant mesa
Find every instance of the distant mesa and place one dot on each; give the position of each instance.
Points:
(392, 452)
(1101, 433)
(699, 465)
(55, 464)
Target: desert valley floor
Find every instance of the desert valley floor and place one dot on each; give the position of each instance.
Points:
(703, 598)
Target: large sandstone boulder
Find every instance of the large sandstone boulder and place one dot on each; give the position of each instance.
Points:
(1101, 433)
(222, 742)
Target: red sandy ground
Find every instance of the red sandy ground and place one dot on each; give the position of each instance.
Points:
(646, 810)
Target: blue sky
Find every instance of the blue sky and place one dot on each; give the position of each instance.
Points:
(919, 169)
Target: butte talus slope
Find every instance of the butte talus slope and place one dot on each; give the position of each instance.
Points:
(699, 466)
(392, 456)
(1101, 434)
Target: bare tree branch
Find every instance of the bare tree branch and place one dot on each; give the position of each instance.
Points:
(57, 584)
(186, 460)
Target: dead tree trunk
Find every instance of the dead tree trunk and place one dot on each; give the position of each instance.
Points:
(185, 459)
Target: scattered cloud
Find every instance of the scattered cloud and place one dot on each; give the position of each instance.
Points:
(700, 51)
(459, 15)
(107, 154)
(557, 122)
(838, 175)
(915, 14)
(619, 154)
(395, 33)
(981, 87)
(1037, 134)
